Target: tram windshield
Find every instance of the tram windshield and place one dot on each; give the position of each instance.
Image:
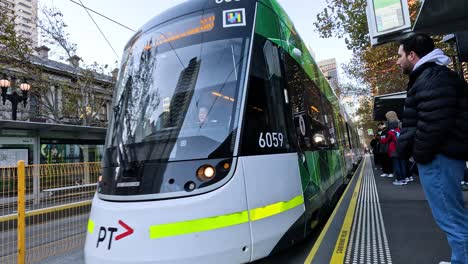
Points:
(177, 97)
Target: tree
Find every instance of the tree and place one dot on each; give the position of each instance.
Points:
(16, 54)
(379, 75)
(15, 48)
(373, 70)
(88, 91)
(77, 98)
(374, 67)
(345, 19)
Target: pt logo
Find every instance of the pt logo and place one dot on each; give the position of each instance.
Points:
(109, 232)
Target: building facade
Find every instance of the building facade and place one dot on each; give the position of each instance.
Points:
(50, 105)
(330, 70)
(25, 13)
(37, 136)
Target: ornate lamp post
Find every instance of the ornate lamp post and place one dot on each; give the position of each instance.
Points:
(14, 98)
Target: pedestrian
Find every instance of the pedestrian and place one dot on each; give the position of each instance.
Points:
(384, 159)
(435, 134)
(465, 179)
(403, 163)
(374, 147)
(399, 165)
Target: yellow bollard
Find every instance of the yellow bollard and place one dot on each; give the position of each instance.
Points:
(21, 213)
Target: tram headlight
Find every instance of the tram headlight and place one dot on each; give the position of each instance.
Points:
(319, 139)
(206, 172)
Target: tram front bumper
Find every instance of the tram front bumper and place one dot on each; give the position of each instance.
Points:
(209, 228)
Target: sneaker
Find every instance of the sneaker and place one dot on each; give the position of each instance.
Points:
(409, 179)
(465, 187)
(399, 183)
(444, 262)
(384, 175)
(390, 175)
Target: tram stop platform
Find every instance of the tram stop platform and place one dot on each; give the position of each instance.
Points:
(378, 222)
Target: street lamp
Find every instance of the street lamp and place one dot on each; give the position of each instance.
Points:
(14, 98)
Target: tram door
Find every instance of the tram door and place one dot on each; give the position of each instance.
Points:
(268, 148)
(305, 103)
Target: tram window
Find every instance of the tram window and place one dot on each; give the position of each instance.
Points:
(330, 134)
(266, 125)
(343, 133)
(349, 136)
(164, 85)
(307, 108)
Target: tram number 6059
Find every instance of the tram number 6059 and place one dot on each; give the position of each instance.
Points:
(269, 140)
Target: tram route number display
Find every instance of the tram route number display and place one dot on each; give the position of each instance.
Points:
(270, 140)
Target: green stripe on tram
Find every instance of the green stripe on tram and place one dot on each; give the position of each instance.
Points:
(198, 225)
(274, 209)
(90, 226)
(223, 221)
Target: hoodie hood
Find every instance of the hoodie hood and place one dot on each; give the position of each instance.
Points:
(436, 56)
(393, 124)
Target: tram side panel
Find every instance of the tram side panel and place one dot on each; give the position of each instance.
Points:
(290, 146)
(313, 106)
(269, 158)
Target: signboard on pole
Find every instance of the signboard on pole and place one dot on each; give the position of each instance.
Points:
(10, 157)
(387, 17)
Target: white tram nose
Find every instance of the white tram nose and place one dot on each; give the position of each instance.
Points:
(200, 229)
(256, 207)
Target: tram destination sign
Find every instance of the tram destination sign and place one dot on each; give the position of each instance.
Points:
(387, 17)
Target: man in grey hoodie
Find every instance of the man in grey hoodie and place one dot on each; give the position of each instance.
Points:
(435, 134)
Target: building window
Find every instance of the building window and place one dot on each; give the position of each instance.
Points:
(103, 113)
(26, 12)
(25, 5)
(33, 106)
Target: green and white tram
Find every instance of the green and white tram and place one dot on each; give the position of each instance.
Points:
(226, 141)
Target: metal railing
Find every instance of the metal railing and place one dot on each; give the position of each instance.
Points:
(44, 209)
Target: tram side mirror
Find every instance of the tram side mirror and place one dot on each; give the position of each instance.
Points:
(297, 52)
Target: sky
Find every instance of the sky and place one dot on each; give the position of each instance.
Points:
(93, 47)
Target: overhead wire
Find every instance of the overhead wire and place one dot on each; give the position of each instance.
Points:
(101, 15)
(102, 33)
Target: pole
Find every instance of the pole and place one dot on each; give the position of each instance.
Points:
(457, 60)
(14, 109)
(21, 213)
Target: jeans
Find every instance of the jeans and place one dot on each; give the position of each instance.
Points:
(399, 169)
(386, 164)
(441, 183)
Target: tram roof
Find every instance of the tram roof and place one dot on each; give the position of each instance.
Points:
(184, 8)
(187, 7)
